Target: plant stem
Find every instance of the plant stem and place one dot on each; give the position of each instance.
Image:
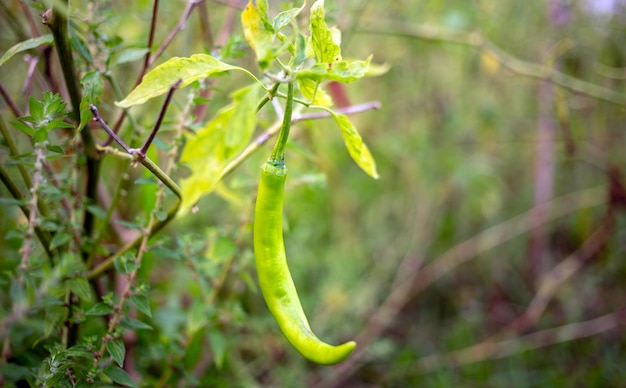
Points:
(278, 154)
(58, 26)
(268, 97)
(44, 237)
(171, 213)
(271, 131)
(479, 42)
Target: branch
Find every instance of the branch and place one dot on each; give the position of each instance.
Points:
(43, 236)
(479, 42)
(418, 280)
(191, 4)
(275, 128)
(536, 340)
(56, 20)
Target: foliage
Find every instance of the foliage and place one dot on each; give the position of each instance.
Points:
(488, 252)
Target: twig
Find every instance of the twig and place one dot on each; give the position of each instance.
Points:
(43, 236)
(536, 340)
(56, 20)
(29, 18)
(153, 222)
(447, 262)
(12, 20)
(7, 98)
(139, 155)
(191, 4)
(153, 22)
(543, 177)
(479, 42)
(273, 130)
(560, 274)
(33, 221)
(231, 3)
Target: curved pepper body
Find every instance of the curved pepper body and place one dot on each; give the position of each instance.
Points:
(275, 279)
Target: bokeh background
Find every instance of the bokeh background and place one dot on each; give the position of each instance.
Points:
(489, 253)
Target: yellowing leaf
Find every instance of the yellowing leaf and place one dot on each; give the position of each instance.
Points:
(357, 149)
(344, 71)
(207, 153)
(312, 91)
(258, 32)
(325, 42)
(161, 78)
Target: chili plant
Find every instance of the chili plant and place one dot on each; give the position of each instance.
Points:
(75, 283)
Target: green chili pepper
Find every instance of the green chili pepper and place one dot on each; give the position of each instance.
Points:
(275, 280)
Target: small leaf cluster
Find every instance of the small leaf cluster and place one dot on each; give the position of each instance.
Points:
(45, 116)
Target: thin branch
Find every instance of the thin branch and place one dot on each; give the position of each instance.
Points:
(446, 263)
(273, 130)
(536, 340)
(144, 148)
(57, 21)
(43, 236)
(479, 42)
(136, 155)
(153, 22)
(560, 274)
(12, 20)
(191, 4)
(7, 98)
(31, 21)
(33, 220)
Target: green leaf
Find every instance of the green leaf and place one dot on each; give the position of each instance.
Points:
(59, 239)
(219, 347)
(313, 92)
(324, 41)
(159, 80)
(23, 127)
(129, 55)
(284, 18)
(343, 71)
(196, 347)
(258, 31)
(302, 50)
(14, 372)
(207, 153)
(119, 375)
(135, 324)
(357, 149)
(130, 225)
(80, 47)
(79, 350)
(117, 350)
(100, 308)
(125, 265)
(26, 45)
(142, 303)
(36, 109)
(55, 148)
(97, 211)
(94, 85)
(80, 287)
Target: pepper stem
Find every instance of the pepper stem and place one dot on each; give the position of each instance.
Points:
(278, 154)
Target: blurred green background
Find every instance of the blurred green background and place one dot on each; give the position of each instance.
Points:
(444, 252)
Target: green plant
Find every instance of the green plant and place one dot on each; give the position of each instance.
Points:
(65, 272)
(490, 252)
